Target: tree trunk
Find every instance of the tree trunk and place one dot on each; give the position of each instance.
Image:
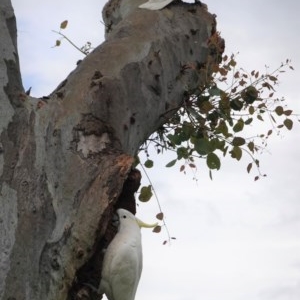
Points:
(64, 159)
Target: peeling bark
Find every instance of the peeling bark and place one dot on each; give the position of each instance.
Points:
(64, 162)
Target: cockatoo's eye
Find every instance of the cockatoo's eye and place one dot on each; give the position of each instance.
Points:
(124, 217)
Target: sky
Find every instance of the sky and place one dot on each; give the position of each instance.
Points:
(236, 239)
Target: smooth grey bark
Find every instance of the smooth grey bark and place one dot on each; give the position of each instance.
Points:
(64, 160)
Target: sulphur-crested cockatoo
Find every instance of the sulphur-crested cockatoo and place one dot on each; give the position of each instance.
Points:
(123, 261)
(155, 4)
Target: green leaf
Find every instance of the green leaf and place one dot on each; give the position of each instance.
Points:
(148, 163)
(217, 144)
(279, 110)
(251, 146)
(249, 167)
(146, 193)
(222, 128)
(205, 107)
(214, 91)
(171, 163)
(236, 104)
(239, 125)
(251, 110)
(63, 24)
(232, 62)
(257, 162)
(248, 121)
(182, 152)
(213, 161)
(238, 141)
(259, 117)
(213, 118)
(202, 98)
(250, 94)
(273, 119)
(175, 139)
(203, 146)
(288, 123)
(187, 130)
(236, 152)
(225, 150)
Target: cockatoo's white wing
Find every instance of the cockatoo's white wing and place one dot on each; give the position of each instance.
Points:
(122, 264)
(127, 276)
(155, 4)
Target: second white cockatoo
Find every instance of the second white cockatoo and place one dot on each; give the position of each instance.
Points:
(123, 259)
(155, 4)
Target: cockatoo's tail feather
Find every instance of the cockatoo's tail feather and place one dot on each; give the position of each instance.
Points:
(145, 225)
(155, 4)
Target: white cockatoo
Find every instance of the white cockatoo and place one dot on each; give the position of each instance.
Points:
(155, 4)
(123, 259)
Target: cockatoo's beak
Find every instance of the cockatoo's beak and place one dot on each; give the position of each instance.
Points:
(145, 225)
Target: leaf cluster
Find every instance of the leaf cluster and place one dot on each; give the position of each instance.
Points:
(213, 119)
(217, 119)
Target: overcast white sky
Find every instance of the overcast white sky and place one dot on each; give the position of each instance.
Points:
(236, 239)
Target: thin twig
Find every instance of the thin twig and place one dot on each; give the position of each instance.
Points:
(158, 203)
(76, 47)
